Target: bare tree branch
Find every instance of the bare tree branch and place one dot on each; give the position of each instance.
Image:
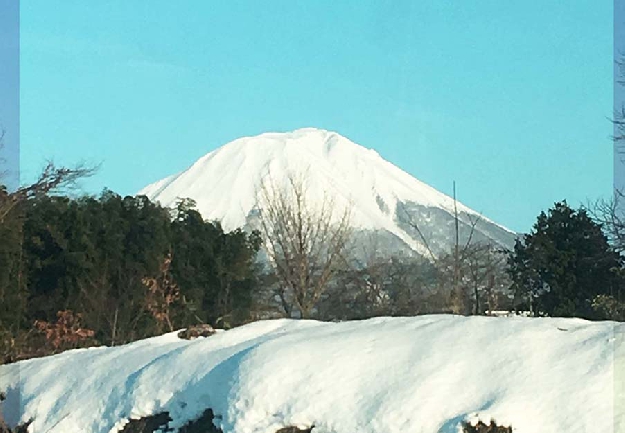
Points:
(412, 223)
(470, 237)
(52, 179)
(609, 214)
(3, 173)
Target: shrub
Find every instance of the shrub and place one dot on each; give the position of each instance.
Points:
(149, 424)
(609, 308)
(192, 332)
(204, 424)
(160, 423)
(480, 427)
(66, 333)
(293, 429)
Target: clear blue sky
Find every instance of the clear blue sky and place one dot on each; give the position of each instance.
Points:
(509, 99)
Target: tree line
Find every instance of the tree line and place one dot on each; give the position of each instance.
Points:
(569, 265)
(116, 269)
(78, 271)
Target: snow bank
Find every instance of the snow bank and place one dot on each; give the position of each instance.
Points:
(385, 375)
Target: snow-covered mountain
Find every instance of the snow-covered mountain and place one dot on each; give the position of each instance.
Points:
(386, 375)
(385, 200)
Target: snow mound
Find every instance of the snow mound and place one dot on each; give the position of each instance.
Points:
(386, 375)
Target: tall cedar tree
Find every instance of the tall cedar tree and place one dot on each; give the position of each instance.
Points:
(563, 263)
(214, 269)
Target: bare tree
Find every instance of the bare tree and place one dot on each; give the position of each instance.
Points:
(471, 272)
(304, 240)
(485, 276)
(609, 213)
(51, 179)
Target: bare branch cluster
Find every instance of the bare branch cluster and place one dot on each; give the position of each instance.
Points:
(609, 213)
(52, 179)
(305, 241)
(471, 271)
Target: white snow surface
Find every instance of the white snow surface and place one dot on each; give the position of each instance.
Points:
(224, 182)
(384, 375)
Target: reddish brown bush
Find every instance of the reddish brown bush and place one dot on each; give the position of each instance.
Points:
(162, 293)
(66, 333)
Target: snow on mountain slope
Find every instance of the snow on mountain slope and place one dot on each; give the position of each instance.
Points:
(224, 183)
(387, 375)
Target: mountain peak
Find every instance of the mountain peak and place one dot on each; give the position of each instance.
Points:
(225, 181)
(319, 143)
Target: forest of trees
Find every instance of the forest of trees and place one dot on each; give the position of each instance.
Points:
(80, 271)
(116, 270)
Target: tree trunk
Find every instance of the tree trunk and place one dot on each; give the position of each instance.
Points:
(114, 331)
(477, 299)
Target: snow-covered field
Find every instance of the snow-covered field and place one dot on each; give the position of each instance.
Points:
(385, 375)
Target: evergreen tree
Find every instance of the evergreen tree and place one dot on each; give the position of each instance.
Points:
(563, 263)
(12, 293)
(215, 270)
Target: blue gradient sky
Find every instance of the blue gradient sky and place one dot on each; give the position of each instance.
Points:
(510, 101)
